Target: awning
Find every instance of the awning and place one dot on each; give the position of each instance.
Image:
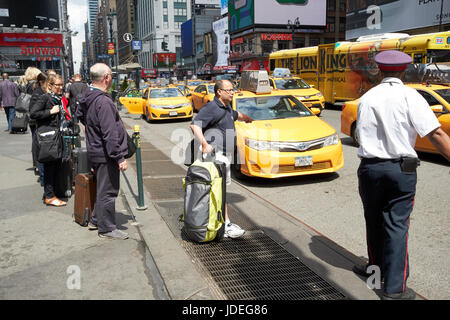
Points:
(129, 66)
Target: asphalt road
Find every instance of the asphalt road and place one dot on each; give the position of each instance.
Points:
(331, 205)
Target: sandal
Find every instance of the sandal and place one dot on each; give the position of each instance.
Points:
(54, 202)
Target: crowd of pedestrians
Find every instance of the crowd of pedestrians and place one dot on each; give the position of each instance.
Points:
(47, 106)
(55, 106)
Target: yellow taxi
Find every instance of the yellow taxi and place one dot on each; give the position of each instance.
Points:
(192, 84)
(159, 104)
(286, 138)
(202, 94)
(282, 80)
(437, 96)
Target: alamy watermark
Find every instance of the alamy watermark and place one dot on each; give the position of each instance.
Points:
(74, 280)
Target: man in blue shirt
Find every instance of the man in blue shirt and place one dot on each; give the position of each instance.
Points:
(219, 115)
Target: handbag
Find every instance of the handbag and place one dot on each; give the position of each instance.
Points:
(23, 102)
(49, 143)
(131, 147)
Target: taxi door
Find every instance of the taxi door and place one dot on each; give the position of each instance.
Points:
(134, 105)
(424, 144)
(198, 96)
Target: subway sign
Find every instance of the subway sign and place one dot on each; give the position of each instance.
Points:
(276, 36)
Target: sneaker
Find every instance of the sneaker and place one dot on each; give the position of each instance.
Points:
(233, 231)
(408, 294)
(115, 234)
(92, 226)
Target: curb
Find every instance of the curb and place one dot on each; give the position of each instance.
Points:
(173, 266)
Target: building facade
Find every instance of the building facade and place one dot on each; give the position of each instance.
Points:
(160, 22)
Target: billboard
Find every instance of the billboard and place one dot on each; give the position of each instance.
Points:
(31, 39)
(222, 40)
(42, 13)
(245, 13)
(208, 2)
(310, 13)
(223, 7)
(187, 43)
(383, 16)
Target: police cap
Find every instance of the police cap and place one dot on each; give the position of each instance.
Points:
(392, 60)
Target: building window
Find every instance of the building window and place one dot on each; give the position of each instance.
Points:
(165, 4)
(314, 42)
(283, 45)
(331, 5)
(267, 46)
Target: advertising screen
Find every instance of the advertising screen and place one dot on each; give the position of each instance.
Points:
(208, 2)
(223, 7)
(220, 29)
(187, 44)
(310, 13)
(381, 16)
(42, 13)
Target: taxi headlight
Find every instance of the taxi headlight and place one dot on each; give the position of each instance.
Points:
(187, 104)
(319, 95)
(261, 145)
(331, 140)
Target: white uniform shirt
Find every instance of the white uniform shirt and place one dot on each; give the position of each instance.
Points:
(390, 116)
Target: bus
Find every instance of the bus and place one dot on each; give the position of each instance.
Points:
(344, 71)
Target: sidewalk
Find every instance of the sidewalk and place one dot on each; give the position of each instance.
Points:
(42, 250)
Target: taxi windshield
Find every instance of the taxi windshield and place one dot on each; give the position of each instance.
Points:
(286, 84)
(271, 108)
(165, 93)
(430, 72)
(195, 83)
(444, 93)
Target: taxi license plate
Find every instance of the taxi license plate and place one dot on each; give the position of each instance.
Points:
(303, 161)
(173, 113)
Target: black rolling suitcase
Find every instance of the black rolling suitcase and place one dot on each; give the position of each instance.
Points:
(64, 179)
(20, 123)
(81, 163)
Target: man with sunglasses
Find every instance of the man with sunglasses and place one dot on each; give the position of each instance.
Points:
(214, 128)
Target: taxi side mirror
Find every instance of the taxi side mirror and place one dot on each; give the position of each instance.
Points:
(311, 85)
(189, 95)
(315, 110)
(437, 108)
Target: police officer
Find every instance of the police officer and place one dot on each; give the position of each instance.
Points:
(390, 116)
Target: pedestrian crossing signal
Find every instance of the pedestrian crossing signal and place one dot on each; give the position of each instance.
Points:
(164, 46)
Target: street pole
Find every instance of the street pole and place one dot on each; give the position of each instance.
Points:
(440, 17)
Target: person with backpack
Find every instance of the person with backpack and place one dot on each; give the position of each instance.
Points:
(75, 92)
(218, 114)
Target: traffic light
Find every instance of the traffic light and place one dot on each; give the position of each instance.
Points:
(164, 46)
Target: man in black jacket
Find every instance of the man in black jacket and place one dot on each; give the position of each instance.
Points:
(106, 142)
(75, 92)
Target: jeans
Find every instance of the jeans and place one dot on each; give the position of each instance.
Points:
(10, 114)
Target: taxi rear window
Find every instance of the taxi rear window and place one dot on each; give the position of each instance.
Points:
(271, 108)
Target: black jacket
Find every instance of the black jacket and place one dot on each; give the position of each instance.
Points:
(40, 111)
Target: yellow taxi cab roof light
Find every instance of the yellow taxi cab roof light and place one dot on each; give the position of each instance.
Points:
(256, 81)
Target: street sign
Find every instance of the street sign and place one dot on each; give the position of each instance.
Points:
(111, 48)
(127, 37)
(136, 45)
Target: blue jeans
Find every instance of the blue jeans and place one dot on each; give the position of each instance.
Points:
(10, 114)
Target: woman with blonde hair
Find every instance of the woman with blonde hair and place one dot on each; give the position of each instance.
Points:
(47, 112)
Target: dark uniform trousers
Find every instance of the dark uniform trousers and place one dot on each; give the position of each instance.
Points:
(108, 184)
(387, 195)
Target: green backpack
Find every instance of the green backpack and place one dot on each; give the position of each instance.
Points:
(204, 201)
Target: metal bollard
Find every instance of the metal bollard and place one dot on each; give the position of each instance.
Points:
(137, 141)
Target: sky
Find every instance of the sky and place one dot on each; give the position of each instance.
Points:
(78, 15)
